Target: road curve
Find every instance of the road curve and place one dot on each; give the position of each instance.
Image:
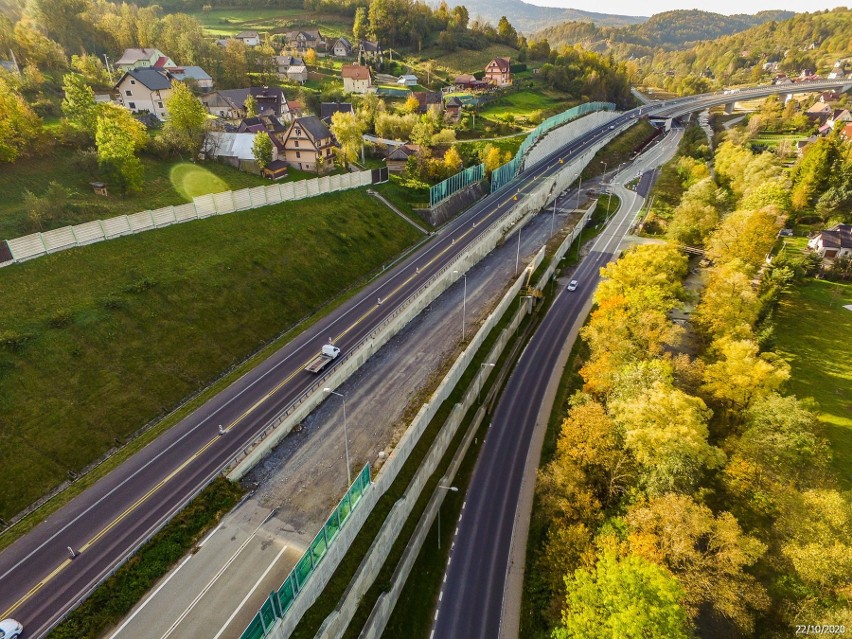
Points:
(40, 582)
(473, 600)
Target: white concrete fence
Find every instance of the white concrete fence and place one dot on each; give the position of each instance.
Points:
(38, 244)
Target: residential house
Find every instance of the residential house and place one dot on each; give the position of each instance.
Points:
(846, 131)
(498, 72)
(407, 80)
(368, 50)
(802, 144)
(429, 101)
(139, 58)
(308, 145)
(231, 103)
(194, 74)
(829, 96)
(342, 48)
(833, 243)
(782, 79)
(819, 112)
(284, 62)
(467, 81)
(297, 73)
(839, 117)
(356, 78)
(837, 73)
(328, 109)
(145, 90)
(249, 38)
(296, 109)
(452, 109)
(236, 149)
(305, 39)
(268, 123)
(397, 159)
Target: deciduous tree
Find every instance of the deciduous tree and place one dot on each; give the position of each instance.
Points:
(78, 105)
(261, 148)
(348, 131)
(629, 598)
(707, 554)
(118, 136)
(20, 128)
(186, 123)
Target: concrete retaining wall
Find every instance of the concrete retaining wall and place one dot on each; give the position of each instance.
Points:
(455, 204)
(559, 137)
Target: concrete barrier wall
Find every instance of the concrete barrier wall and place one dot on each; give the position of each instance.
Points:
(35, 245)
(559, 137)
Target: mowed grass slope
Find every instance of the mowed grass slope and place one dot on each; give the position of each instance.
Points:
(96, 342)
(63, 166)
(814, 334)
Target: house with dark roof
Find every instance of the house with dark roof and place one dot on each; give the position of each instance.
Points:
(833, 243)
(328, 109)
(304, 39)
(498, 72)
(342, 48)
(397, 159)
(284, 62)
(144, 57)
(428, 101)
(249, 38)
(268, 123)
(308, 145)
(145, 90)
(452, 109)
(230, 104)
(369, 50)
(468, 81)
(356, 78)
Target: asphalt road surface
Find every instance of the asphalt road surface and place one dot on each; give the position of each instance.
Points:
(40, 581)
(472, 600)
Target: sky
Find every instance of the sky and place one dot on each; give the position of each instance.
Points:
(650, 7)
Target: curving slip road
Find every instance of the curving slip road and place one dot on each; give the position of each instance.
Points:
(475, 597)
(40, 582)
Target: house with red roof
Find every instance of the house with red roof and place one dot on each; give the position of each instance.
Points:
(498, 72)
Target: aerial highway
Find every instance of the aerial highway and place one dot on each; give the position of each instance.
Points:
(40, 581)
(472, 601)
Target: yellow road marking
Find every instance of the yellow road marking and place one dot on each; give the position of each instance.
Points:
(127, 511)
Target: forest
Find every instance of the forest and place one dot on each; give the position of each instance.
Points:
(689, 491)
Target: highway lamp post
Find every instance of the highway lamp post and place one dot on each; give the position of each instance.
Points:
(553, 217)
(608, 205)
(604, 163)
(345, 433)
(579, 186)
(464, 303)
(455, 489)
(479, 379)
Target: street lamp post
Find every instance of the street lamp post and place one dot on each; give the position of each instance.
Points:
(455, 489)
(518, 256)
(464, 304)
(579, 186)
(479, 379)
(604, 163)
(345, 433)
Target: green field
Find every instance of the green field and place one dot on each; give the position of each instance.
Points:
(467, 60)
(813, 334)
(229, 22)
(530, 107)
(96, 342)
(163, 181)
(773, 140)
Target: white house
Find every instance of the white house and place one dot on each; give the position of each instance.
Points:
(297, 73)
(249, 38)
(407, 80)
(342, 48)
(139, 58)
(201, 78)
(145, 90)
(833, 243)
(356, 78)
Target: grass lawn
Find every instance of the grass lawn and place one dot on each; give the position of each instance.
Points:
(524, 105)
(121, 332)
(467, 60)
(620, 148)
(229, 22)
(165, 182)
(813, 334)
(773, 140)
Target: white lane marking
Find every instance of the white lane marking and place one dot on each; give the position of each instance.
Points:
(212, 582)
(149, 598)
(249, 593)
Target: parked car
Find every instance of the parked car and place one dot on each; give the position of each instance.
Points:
(572, 285)
(10, 629)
